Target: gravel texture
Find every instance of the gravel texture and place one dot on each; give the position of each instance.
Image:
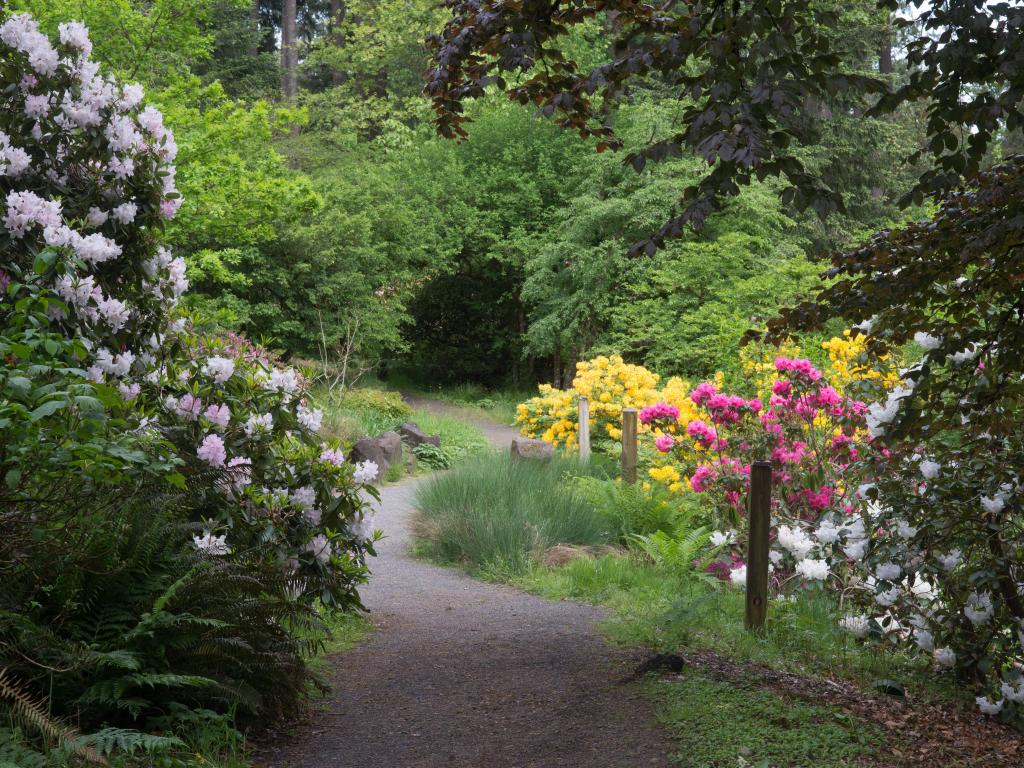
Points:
(463, 674)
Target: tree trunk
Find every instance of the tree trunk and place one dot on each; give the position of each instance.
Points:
(289, 51)
(254, 21)
(556, 369)
(885, 52)
(337, 17)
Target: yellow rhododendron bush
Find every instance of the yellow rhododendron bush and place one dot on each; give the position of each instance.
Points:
(611, 384)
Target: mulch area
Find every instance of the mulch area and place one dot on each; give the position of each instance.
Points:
(920, 733)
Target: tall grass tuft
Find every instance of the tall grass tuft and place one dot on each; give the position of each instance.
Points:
(494, 514)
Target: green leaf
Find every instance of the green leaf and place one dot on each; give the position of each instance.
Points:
(47, 409)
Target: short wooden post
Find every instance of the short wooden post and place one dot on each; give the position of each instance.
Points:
(759, 513)
(583, 435)
(629, 445)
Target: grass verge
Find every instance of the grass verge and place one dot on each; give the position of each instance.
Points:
(718, 724)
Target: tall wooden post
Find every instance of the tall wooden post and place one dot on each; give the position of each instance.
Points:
(584, 429)
(629, 445)
(759, 515)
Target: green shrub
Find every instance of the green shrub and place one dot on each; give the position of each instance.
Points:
(386, 403)
(112, 619)
(432, 456)
(634, 510)
(494, 512)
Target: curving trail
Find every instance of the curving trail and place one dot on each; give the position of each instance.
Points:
(463, 674)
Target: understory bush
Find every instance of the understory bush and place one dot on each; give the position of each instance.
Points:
(168, 511)
(493, 512)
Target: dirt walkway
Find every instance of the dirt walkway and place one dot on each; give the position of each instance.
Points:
(462, 674)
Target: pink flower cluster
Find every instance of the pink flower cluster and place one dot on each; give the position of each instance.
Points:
(798, 368)
(724, 409)
(659, 413)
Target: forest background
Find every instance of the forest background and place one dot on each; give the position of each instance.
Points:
(322, 213)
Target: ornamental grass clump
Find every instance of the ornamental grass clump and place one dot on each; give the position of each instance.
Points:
(495, 512)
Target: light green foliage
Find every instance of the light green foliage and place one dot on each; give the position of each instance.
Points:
(459, 438)
(633, 510)
(153, 42)
(495, 514)
(681, 311)
(432, 456)
(721, 725)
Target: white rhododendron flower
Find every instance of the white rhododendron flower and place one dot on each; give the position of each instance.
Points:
(925, 640)
(888, 571)
(992, 504)
(950, 560)
(858, 626)
(926, 341)
(1013, 692)
(989, 707)
(304, 497)
(219, 368)
(905, 530)
(813, 569)
(310, 419)
(723, 538)
(979, 608)
(363, 529)
(944, 657)
(366, 472)
(210, 544)
(930, 469)
(320, 548)
(738, 576)
(256, 423)
(827, 532)
(795, 540)
(888, 597)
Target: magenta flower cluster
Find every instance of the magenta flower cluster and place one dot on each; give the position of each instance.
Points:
(659, 413)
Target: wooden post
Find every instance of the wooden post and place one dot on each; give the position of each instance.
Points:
(759, 513)
(584, 429)
(629, 445)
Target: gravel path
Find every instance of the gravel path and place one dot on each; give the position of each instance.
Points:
(462, 674)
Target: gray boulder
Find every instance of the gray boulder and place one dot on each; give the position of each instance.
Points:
(370, 449)
(525, 448)
(391, 444)
(413, 435)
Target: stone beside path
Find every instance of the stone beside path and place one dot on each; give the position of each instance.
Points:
(463, 674)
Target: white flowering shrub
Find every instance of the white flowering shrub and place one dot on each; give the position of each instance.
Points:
(86, 185)
(943, 556)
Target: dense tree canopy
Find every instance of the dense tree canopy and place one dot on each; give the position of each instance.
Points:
(753, 79)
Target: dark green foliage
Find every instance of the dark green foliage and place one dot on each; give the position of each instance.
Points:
(746, 115)
(112, 621)
(432, 456)
(718, 723)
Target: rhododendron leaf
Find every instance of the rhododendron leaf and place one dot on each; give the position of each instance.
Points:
(47, 409)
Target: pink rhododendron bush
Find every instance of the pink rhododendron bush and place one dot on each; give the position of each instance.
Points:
(95, 340)
(922, 536)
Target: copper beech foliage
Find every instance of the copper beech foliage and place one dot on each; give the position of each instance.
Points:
(751, 76)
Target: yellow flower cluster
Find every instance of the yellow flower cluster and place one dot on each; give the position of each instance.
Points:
(758, 364)
(844, 355)
(611, 384)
